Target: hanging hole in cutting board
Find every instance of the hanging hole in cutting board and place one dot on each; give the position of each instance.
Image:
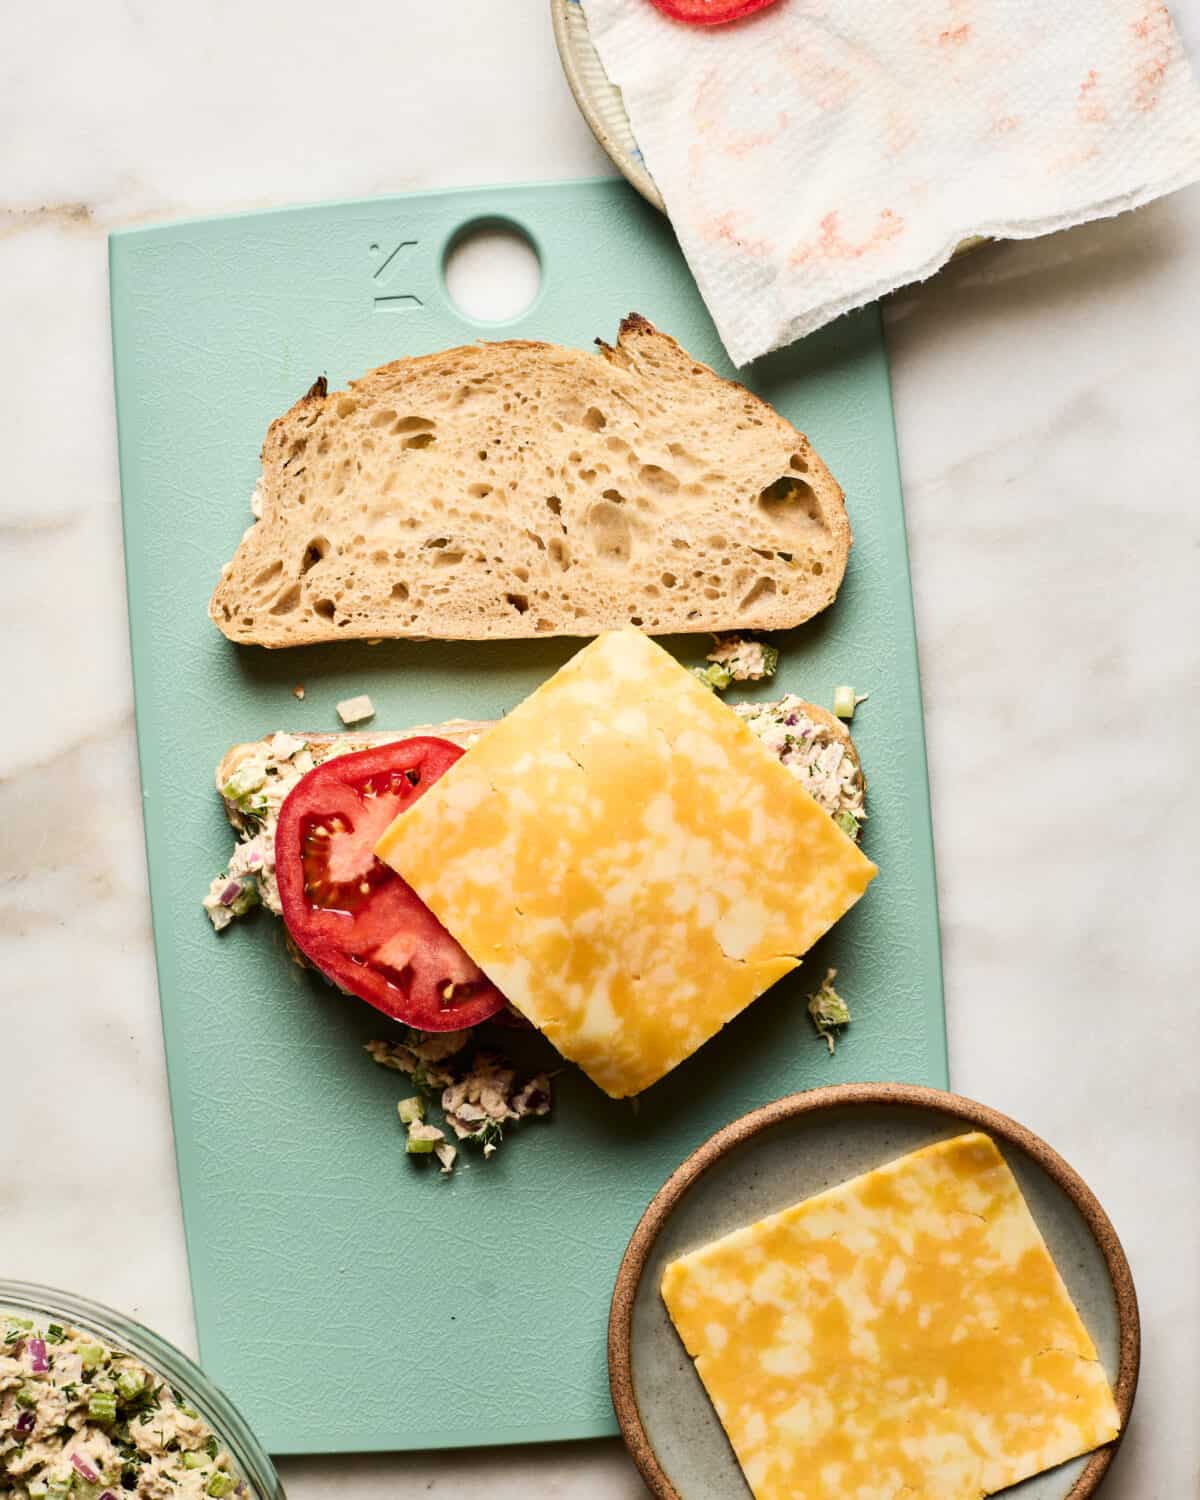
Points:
(492, 271)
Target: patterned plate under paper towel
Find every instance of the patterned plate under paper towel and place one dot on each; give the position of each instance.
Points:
(602, 107)
(598, 97)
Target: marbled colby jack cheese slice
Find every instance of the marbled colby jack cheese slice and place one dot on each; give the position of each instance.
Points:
(626, 861)
(905, 1336)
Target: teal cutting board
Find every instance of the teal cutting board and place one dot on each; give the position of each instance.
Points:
(346, 1297)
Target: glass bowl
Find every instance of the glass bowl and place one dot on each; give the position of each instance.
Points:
(46, 1305)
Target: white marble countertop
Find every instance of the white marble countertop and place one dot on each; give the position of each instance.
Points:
(1046, 397)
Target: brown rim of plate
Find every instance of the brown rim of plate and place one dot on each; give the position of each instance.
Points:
(644, 1236)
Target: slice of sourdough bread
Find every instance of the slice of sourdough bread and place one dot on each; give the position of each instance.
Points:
(519, 489)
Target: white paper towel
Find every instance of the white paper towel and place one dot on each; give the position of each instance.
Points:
(823, 152)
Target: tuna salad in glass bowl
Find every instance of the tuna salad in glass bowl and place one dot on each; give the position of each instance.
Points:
(95, 1407)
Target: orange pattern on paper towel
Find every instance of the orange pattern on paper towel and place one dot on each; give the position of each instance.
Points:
(830, 245)
(728, 227)
(1090, 108)
(743, 145)
(1154, 38)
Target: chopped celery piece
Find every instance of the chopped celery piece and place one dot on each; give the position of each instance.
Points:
(195, 1460)
(130, 1385)
(411, 1111)
(102, 1406)
(220, 1484)
(828, 1011)
(415, 1146)
(92, 1355)
(843, 702)
(716, 677)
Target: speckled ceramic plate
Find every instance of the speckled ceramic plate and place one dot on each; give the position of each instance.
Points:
(790, 1150)
(602, 107)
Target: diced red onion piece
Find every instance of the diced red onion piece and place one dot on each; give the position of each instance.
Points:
(25, 1422)
(85, 1469)
(231, 892)
(37, 1356)
(108, 1495)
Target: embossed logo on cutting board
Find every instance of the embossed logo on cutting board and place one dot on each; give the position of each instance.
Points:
(388, 276)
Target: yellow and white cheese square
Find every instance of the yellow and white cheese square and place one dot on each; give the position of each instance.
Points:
(626, 861)
(905, 1336)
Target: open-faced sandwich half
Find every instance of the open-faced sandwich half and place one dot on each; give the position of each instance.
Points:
(624, 860)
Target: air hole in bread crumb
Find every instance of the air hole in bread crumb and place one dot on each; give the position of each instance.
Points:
(519, 602)
(287, 601)
(324, 608)
(587, 475)
(657, 478)
(615, 496)
(383, 417)
(314, 552)
(415, 424)
(763, 588)
(557, 549)
(679, 544)
(817, 569)
(447, 559)
(543, 626)
(479, 491)
(522, 574)
(554, 505)
(536, 540)
(669, 580)
(609, 530)
(787, 500)
(594, 419)
(799, 463)
(268, 574)
(420, 440)
(635, 619)
(399, 590)
(575, 458)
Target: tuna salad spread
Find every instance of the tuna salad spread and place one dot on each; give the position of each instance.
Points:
(817, 754)
(814, 753)
(479, 1096)
(82, 1420)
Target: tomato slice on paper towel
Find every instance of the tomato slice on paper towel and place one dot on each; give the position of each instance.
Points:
(354, 918)
(709, 12)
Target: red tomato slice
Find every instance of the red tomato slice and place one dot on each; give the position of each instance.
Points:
(709, 12)
(353, 917)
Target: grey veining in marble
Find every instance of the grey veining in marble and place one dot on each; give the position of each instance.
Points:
(1046, 398)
